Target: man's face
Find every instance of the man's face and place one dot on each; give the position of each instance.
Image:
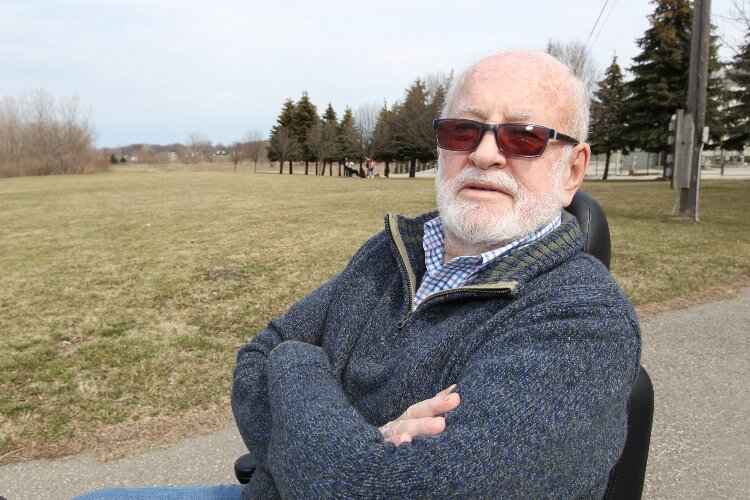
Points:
(485, 197)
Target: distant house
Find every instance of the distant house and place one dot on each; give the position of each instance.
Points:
(220, 152)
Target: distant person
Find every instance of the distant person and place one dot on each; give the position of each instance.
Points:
(370, 167)
(352, 169)
(479, 353)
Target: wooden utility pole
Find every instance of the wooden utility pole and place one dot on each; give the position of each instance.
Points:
(696, 102)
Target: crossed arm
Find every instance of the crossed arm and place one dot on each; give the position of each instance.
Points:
(250, 396)
(525, 419)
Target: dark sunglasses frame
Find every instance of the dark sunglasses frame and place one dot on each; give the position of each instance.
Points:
(496, 128)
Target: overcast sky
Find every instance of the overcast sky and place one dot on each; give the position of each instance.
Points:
(154, 71)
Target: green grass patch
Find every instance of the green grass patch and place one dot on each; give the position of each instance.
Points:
(126, 295)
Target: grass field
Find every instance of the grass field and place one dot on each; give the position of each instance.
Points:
(125, 296)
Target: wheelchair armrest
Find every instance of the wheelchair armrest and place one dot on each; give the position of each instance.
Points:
(244, 467)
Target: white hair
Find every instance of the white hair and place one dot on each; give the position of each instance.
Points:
(577, 117)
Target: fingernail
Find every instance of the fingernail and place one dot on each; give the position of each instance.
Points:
(448, 392)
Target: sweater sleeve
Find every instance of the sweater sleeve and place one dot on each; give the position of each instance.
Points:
(545, 419)
(303, 322)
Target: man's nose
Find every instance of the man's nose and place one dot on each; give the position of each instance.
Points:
(487, 154)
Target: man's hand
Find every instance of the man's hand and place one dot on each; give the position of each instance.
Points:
(423, 418)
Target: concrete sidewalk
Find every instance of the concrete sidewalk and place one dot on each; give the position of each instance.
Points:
(698, 359)
(699, 362)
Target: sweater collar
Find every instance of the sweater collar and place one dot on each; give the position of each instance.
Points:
(516, 268)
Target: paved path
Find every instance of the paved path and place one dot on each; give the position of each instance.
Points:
(698, 359)
(699, 362)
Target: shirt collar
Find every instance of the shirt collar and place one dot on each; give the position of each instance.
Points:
(433, 243)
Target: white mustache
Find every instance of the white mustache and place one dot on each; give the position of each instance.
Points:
(493, 178)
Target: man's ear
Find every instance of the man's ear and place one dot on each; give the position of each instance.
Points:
(579, 162)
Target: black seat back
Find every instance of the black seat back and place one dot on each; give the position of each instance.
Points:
(594, 226)
(627, 476)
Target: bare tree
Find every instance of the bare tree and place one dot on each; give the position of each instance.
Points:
(41, 135)
(321, 140)
(739, 17)
(146, 154)
(366, 116)
(254, 142)
(199, 148)
(436, 82)
(285, 146)
(237, 153)
(573, 54)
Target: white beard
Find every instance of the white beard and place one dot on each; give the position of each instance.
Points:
(487, 225)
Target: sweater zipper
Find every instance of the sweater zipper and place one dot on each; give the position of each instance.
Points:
(403, 259)
(505, 291)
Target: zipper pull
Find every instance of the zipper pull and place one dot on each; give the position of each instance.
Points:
(403, 321)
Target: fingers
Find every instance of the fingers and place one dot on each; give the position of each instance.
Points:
(392, 431)
(443, 402)
(423, 418)
(401, 439)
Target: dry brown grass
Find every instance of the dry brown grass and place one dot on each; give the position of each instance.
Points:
(125, 296)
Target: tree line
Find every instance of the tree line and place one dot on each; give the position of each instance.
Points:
(399, 133)
(41, 135)
(625, 115)
(635, 114)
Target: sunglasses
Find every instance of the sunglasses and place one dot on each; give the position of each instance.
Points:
(513, 139)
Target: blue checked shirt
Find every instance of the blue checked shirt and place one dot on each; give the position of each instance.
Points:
(460, 270)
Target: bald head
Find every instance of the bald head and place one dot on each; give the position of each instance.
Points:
(541, 75)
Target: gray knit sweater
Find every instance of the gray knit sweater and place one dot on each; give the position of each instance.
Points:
(542, 343)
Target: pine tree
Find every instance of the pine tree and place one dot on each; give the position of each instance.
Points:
(413, 135)
(738, 99)
(660, 72)
(382, 138)
(715, 95)
(305, 117)
(607, 129)
(348, 136)
(329, 116)
(284, 121)
(660, 83)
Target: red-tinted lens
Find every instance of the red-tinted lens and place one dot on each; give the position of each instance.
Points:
(522, 140)
(458, 135)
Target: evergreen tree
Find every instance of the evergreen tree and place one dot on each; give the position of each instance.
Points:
(382, 138)
(607, 129)
(660, 73)
(284, 120)
(329, 116)
(414, 138)
(660, 83)
(738, 99)
(347, 137)
(715, 96)
(305, 117)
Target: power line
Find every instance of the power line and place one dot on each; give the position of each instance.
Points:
(583, 49)
(601, 28)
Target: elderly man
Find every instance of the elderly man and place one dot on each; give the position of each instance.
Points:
(481, 353)
(490, 297)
